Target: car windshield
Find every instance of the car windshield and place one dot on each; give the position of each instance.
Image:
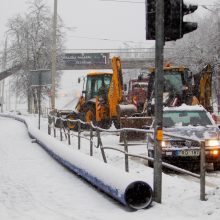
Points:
(185, 118)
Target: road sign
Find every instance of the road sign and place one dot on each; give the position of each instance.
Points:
(40, 77)
(86, 59)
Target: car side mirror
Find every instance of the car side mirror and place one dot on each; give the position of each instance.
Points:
(125, 87)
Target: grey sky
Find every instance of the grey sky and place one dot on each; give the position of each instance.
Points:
(117, 22)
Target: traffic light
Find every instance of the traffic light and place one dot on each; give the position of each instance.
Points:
(174, 26)
(150, 9)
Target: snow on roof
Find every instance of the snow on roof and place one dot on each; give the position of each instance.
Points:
(140, 83)
(185, 107)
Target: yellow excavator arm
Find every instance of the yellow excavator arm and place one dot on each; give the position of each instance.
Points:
(204, 87)
(115, 93)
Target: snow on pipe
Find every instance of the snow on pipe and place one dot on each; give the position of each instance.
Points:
(122, 186)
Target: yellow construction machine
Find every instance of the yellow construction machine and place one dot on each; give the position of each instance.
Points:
(180, 86)
(101, 101)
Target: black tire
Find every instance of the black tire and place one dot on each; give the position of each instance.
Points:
(216, 166)
(150, 163)
(71, 125)
(105, 124)
(90, 115)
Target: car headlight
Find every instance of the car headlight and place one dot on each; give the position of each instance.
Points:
(212, 143)
(165, 144)
(215, 152)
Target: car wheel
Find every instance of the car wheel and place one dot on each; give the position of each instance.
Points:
(216, 166)
(150, 163)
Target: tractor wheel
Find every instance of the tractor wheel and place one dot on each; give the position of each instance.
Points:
(72, 125)
(117, 124)
(89, 115)
(105, 124)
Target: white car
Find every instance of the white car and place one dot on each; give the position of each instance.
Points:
(191, 122)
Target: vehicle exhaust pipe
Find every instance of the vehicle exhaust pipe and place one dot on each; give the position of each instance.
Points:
(129, 189)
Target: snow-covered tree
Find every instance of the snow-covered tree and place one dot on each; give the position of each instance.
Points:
(30, 46)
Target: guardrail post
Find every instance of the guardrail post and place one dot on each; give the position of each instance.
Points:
(68, 135)
(126, 150)
(91, 140)
(61, 135)
(49, 125)
(49, 129)
(101, 146)
(202, 171)
(54, 129)
(79, 132)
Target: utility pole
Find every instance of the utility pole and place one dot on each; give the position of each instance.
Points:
(159, 84)
(4, 67)
(54, 57)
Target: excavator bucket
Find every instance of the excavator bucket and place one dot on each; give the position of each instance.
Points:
(139, 122)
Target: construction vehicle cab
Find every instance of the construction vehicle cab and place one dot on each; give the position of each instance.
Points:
(181, 86)
(97, 85)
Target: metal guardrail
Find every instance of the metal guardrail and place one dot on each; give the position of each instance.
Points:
(96, 132)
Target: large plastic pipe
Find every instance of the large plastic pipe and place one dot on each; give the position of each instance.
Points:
(128, 189)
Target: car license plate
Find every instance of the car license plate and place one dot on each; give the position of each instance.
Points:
(189, 153)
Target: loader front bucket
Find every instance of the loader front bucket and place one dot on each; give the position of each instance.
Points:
(141, 122)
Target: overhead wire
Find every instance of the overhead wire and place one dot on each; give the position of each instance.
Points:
(107, 39)
(143, 2)
(117, 40)
(122, 1)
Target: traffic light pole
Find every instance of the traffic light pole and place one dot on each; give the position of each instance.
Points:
(159, 84)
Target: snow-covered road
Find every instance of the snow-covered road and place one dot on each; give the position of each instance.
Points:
(34, 186)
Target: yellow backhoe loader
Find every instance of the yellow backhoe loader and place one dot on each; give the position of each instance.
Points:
(101, 101)
(180, 86)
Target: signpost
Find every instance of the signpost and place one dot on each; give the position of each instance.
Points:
(40, 78)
